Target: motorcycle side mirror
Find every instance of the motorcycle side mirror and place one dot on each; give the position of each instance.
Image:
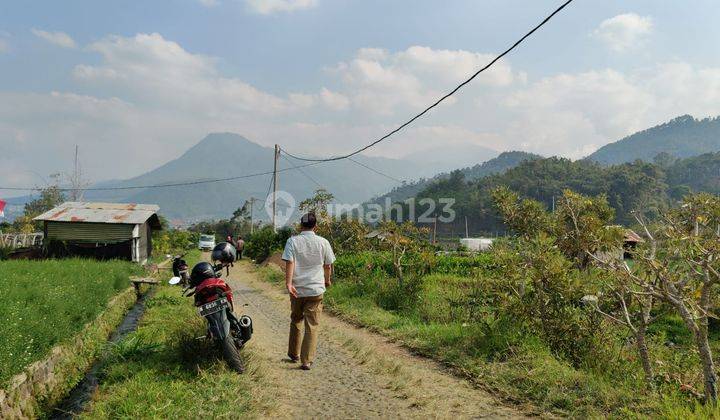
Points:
(174, 280)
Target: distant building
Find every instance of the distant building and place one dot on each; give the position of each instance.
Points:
(101, 230)
(476, 244)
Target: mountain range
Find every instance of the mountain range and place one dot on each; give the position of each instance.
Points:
(366, 179)
(681, 137)
(499, 164)
(227, 155)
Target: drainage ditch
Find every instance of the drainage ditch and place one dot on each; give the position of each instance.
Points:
(74, 403)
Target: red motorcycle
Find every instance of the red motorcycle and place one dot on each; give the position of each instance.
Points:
(214, 300)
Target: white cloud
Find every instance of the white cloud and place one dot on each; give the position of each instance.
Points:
(268, 7)
(574, 114)
(384, 83)
(624, 32)
(60, 39)
(146, 93)
(209, 3)
(151, 70)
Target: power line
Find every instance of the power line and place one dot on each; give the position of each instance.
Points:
(317, 161)
(301, 171)
(376, 171)
(439, 101)
(175, 184)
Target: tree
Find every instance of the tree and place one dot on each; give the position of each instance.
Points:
(50, 197)
(681, 268)
(317, 203)
(580, 230)
(242, 213)
(401, 240)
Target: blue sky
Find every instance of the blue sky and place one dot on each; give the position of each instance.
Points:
(144, 80)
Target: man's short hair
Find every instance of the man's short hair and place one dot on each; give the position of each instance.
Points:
(308, 220)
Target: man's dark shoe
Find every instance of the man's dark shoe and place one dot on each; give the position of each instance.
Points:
(292, 359)
(306, 367)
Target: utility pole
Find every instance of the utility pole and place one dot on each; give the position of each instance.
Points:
(275, 163)
(434, 230)
(252, 226)
(466, 228)
(252, 201)
(77, 181)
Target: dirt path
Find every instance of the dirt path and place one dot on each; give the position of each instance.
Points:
(356, 374)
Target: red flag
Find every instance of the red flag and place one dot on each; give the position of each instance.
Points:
(2, 208)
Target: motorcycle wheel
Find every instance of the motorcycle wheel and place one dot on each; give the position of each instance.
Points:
(232, 354)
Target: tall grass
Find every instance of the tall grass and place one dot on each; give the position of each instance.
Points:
(163, 371)
(43, 303)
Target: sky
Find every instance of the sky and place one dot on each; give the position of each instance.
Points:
(136, 83)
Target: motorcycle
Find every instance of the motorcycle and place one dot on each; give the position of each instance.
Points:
(214, 301)
(180, 271)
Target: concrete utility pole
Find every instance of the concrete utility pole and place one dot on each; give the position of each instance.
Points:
(252, 201)
(466, 228)
(275, 177)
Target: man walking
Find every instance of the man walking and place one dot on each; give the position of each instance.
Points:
(308, 269)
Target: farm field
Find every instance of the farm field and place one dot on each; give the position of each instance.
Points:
(460, 321)
(44, 303)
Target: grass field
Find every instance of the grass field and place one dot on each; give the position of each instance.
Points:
(44, 303)
(163, 371)
(451, 321)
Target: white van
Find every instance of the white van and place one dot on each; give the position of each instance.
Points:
(206, 242)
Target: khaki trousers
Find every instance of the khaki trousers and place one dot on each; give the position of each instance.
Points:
(305, 309)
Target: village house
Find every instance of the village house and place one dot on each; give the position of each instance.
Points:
(101, 230)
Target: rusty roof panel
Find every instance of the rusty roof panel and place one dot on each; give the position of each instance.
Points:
(90, 212)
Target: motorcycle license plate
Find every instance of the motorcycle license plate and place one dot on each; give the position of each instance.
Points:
(213, 307)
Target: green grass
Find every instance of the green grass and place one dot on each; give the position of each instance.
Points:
(452, 319)
(45, 303)
(163, 371)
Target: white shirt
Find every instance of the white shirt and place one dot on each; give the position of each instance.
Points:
(309, 252)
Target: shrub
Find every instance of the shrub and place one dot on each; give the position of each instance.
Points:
(264, 242)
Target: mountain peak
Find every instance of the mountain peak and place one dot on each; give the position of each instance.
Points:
(225, 139)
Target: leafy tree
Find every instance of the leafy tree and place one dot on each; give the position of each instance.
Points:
(317, 203)
(681, 267)
(50, 197)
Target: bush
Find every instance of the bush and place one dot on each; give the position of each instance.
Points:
(4, 252)
(173, 241)
(365, 263)
(264, 242)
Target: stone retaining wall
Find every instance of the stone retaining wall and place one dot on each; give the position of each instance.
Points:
(44, 383)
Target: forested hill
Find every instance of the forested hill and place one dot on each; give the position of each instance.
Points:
(642, 186)
(681, 137)
(496, 165)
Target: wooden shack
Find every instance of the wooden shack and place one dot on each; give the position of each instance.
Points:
(101, 230)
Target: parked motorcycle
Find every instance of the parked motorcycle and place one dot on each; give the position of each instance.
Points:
(180, 271)
(214, 300)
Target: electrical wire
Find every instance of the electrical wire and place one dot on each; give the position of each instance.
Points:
(376, 171)
(301, 171)
(175, 184)
(317, 161)
(439, 101)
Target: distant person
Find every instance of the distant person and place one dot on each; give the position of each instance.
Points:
(240, 246)
(308, 269)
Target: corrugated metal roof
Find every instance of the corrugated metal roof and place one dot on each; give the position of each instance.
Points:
(125, 213)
